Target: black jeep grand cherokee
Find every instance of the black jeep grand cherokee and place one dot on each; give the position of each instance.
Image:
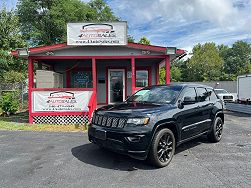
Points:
(153, 121)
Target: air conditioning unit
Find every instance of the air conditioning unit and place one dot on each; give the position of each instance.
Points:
(49, 79)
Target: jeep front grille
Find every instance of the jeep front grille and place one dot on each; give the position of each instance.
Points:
(108, 121)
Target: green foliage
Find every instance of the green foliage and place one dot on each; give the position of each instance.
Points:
(5, 60)
(13, 77)
(205, 64)
(12, 69)
(10, 37)
(102, 12)
(211, 63)
(144, 40)
(130, 38)
(44, 21)
(162, 76)
(175, 74)
(9, 102)
(237, 58)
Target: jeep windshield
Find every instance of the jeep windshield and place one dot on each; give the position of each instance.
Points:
(158, 94)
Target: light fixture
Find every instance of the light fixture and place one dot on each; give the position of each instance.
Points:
(49, 53)
(216, 84)
(23, 52)
(171, 50)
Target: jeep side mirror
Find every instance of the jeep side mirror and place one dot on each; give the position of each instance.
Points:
(180, 104)
(188, 100)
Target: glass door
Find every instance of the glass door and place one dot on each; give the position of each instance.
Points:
(116, 85)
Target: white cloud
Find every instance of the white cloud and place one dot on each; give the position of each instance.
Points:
(218, 11)
(186, 22)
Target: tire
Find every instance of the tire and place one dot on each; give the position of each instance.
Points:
(162, 148)
(215, 134)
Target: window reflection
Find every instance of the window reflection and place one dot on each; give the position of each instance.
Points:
(142, 78)
(81, 79)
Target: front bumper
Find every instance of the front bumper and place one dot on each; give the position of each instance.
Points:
(132, 142)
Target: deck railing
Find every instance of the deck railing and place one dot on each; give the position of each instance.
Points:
(92, 105)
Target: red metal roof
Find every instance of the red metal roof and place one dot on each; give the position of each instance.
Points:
(130, 45)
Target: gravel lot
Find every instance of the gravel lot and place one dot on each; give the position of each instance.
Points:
(39, 159)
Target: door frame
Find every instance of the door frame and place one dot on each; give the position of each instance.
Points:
(109, 69)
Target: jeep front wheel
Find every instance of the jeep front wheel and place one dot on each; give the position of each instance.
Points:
(162, 148)
(215, 134)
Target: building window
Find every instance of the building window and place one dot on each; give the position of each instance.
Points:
(81, 79)
(142, 78)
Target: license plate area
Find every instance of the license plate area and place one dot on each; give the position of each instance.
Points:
(100, 134)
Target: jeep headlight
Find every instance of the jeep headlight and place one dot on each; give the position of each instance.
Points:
(138, 121)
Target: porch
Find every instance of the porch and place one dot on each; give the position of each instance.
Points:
(90, 76)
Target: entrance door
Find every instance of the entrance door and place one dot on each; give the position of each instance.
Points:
(116, 85)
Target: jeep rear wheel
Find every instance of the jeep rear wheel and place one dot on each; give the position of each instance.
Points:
(162, 148)
(216, 133)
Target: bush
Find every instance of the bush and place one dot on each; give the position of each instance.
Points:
(9, 103)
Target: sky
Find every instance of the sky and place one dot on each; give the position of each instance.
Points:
(183, 23)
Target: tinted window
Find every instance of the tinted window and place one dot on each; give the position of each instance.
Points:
(141, 78)
(189, 94)
(156, 95)
(81, 79)
(202, 94)
(212, 96)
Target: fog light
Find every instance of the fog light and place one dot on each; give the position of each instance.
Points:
(135, 138)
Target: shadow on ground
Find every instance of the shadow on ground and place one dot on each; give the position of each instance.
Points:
(190, 144)
(93, 155)
(20, 117)
(236, 114)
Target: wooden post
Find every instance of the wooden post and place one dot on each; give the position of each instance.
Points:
(167, 63)
(30, 86)
(133, 75)
(94, 74)
(94, 78)
(157, 74)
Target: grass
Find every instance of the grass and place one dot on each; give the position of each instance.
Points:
(5, 125)
(19, 121)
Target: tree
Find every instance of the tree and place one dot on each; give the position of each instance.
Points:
(175, 71)
(130, 38)
(10, 37)
(236, 59)
(175, 74)
(44, 21)
(205, 64)
(162, 75)
(11, 69)
(102, 12)
(144, 40)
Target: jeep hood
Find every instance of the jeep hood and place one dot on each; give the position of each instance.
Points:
(133, 109)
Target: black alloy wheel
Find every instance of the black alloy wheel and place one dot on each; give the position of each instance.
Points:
(162, 148)
(218, 129)
(165, 147)
(215, 134)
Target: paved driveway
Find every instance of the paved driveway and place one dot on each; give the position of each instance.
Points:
(36, 159)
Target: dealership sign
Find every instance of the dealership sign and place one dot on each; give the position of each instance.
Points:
(96, 34)
(61, 101)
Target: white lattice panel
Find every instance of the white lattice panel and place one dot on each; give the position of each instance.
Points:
(61, 120)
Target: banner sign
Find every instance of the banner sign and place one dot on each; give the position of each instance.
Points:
(60, 101)
(96, 34)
